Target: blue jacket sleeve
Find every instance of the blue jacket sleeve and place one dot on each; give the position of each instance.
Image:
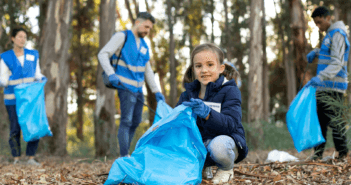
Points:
(226, 122)
(182, 98)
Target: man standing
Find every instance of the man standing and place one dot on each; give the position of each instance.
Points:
(128, 78)
(331, 80)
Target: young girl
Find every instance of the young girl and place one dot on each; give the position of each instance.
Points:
(216, 101)
(19, 65)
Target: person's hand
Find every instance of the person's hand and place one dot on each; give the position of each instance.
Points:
(199, 107)
(159, 96)
(114, 80)
(315, 81)
(311, 55)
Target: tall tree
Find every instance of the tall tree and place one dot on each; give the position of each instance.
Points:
(104, 121)
(289, 66)
(298, 26)
(227, 32)
(255, 74)
(54, 61)
(173, 81)
(265, 75)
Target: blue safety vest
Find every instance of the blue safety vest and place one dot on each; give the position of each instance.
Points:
(19, 74)
(131, 66)
(339, 82)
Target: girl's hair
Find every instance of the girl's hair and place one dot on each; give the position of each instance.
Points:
(229, 72)
(16, 30)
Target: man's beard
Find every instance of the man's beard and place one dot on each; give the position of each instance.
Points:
(141, 34)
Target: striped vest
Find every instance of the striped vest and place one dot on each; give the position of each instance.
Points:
(19, 74)
(131, 66)
(339, 82)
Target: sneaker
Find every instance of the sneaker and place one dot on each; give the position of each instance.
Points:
(223, 176)
(16, 161)
(207, 173)
(33, 162)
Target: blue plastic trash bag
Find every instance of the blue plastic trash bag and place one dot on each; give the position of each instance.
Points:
(302, 120)
(163, 109)
(31, 112)
(170, 152)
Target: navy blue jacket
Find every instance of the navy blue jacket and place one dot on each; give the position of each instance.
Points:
(228, 122)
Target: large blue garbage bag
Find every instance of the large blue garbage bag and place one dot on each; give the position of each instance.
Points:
(31, 112)
(170, 152)
(162, 110)
(302, 120)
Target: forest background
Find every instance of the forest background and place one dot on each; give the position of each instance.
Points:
(267, 41)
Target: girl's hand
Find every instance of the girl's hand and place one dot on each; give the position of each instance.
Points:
(199, 107)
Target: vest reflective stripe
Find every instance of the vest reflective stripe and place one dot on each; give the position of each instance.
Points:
(131, 65)
(136, 69)
(21, 80)
(9, 96)
(339, 82)
(19, 74)
(131, 82)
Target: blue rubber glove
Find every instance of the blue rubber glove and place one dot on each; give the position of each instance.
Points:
(310, 56)
(199, 107)
(159, 96)
(114, 80)
(43, 78)
(315, 81)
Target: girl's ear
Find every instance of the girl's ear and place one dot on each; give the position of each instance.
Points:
(222, 68)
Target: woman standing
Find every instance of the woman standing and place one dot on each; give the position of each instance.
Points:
(18, 65)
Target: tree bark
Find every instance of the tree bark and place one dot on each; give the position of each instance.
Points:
(298, 36)
(265, 76)
(104, 121)
(131, 17)
(255, 74)
(172, 66)
(54, 61)
(212, 21)
(227, 32)
(288, 64)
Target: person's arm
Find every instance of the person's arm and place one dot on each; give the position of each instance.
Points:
(108, 50)
(38, 75)
(150, 78)
(226, 122)
(4, 74)
(337, 58)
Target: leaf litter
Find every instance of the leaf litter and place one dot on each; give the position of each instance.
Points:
(57, 170)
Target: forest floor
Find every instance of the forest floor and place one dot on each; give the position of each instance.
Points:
(253, 170)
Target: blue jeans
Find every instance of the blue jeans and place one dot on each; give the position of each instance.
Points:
(222, 152)
(15, 135)
(131, 105)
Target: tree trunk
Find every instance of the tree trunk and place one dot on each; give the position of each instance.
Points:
(104, 121)
(4, 123)
(172, 66)
(54, 61)
(227, 32)
(255, 74)
(131, 17)
(298, 36)
(212, 21)
(265, 70)
(288, 64)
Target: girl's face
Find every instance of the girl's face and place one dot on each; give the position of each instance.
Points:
(20, 39)
(207, 67)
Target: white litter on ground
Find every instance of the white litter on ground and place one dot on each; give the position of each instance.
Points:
(280, 156)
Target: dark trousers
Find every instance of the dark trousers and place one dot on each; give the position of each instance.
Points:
(131, 105)
(15, 135)
(325, 113)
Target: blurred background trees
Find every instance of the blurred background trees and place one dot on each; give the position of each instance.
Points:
(267, 41)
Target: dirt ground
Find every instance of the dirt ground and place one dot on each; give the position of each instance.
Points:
(253, 170)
